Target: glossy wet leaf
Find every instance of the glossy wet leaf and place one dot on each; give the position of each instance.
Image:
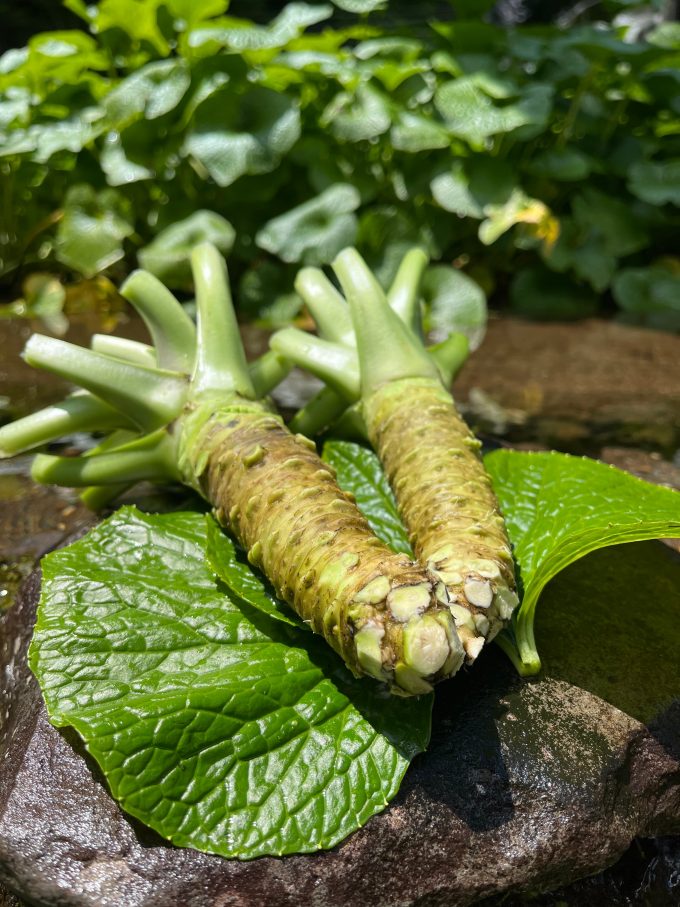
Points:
(314, 232)
(289, 24)
(218, 727)
(454, 303)
(559, 508)
(91, 233)
(168, 255)
(231, 135)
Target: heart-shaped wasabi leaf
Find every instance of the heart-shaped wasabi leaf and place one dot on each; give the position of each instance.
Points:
(218, 727)
(559, 508)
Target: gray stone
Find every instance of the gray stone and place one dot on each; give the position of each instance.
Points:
(527, 784)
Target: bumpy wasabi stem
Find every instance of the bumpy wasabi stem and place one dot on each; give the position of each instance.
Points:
(384, 614)
(433, 463)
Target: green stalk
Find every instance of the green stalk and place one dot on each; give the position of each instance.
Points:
(79, 412)
(96, 497)
(449, 356)
(319, 414)
(172, 331)
(328, 308)
(388, 350)
(150, 397)
(403, 296)
(150, 457)
(121, 348)
(267, 371)
(335, 364)
(220, 359)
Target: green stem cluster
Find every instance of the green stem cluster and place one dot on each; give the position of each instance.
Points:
(189, 408)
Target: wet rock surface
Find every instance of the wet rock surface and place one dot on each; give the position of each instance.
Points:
(527, 786)
(577, 386)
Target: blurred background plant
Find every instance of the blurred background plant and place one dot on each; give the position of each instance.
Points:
(541, 160)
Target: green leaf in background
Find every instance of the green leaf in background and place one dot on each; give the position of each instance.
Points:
(656, 183)
(451, 190)
(558, 508)
(359, 471)
(246, 133)
(91, 233)
(538, 293)
(118, 168)
(219, 728)
(151, 91)
(471, 114)
(470, 187)
(168, 255)
(288, 25)
(454, 303)
(314, 232)
(231, 566)
(360, 6)
(413, 132)
(354, 117)
(650, 295)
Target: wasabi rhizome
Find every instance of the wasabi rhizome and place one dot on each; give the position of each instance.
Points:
(196, 416)
(371, 351)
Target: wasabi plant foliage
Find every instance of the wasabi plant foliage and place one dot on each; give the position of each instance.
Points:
(216, 717)
(542, 160)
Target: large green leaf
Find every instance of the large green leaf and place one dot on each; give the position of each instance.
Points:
(232, 134)
(221, 729)
(289, 24)
(168, 255)
(559, 508)
(230, 565)
(91, 233)
(314, 232)
(151, 91)
(471, 114)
